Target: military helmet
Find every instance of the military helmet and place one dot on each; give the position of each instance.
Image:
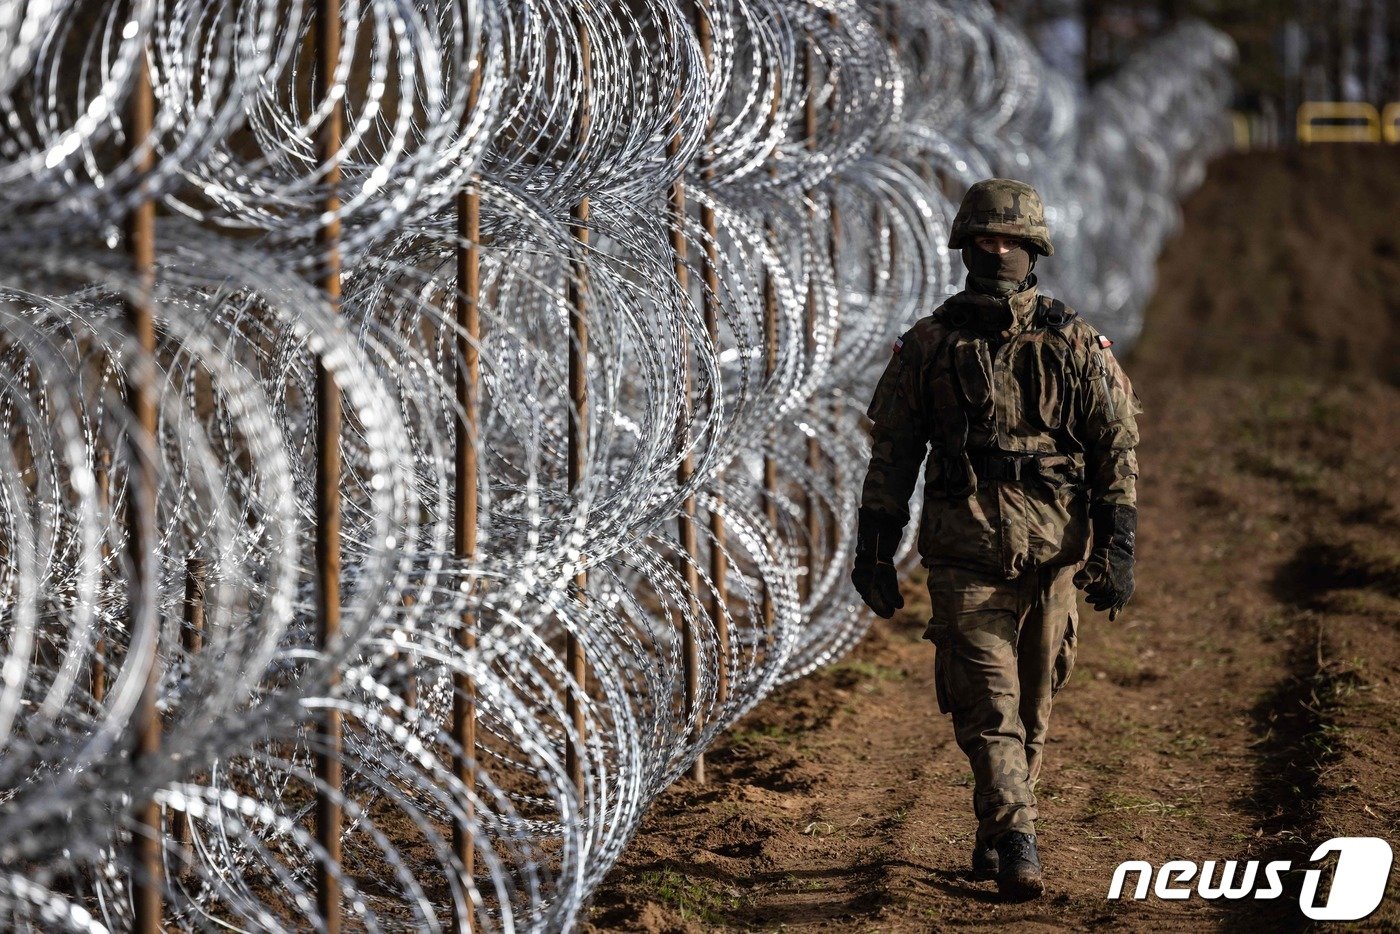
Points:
(1001, 207)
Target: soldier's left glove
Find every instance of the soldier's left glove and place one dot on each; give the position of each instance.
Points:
(1107, 577)
(874, 574)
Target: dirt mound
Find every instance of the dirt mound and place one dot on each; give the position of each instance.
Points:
(1290, 263)
(1244, 706)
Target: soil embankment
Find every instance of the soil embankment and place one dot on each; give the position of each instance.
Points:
(1247, 706)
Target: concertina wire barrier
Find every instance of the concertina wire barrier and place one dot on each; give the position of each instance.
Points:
(639, 263)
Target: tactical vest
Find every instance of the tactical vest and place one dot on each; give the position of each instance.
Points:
(999, 405)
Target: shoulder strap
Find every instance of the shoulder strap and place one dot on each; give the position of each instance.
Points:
(1054, 313)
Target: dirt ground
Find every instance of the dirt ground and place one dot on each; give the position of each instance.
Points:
(1247, 705)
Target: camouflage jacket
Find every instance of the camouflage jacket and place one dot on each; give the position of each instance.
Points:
(984, 377)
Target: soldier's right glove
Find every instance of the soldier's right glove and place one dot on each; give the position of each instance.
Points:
(1107, 577)
(874, 574)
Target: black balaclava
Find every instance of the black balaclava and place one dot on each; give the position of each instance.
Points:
(997, 273)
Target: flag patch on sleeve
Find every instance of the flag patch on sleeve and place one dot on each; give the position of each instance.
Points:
(1104, 343)
(898, 344)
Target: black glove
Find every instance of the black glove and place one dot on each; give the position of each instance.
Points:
(874, 575)
(1107, 577)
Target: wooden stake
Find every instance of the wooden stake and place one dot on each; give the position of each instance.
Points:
(709, 270)
(685, 522)
(814, 451)
(329, 739)
(98, 672)
(770, 466)
(147, 875)
(685, 471)
(192, 641)
(464, 526)
(770, 366)
(578, 425)
(833, 248)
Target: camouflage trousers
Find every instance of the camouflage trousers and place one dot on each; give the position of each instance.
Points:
(1004, 648)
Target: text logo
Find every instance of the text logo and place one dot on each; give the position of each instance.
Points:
(1358, 883)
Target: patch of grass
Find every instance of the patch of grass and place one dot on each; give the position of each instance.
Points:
(1190, 745)
(728, 809)
(1125, 740)
(1357, 602)
(792, 883)
(1302, 475)
(1103, 762)
(1113, 802)
(1119, 661)
(870, 671)
(694, 899)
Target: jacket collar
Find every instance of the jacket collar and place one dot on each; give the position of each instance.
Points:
(998, 314)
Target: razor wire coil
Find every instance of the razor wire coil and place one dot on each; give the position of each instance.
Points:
(820, 147)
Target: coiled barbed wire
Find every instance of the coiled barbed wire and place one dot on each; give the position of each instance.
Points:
(768, 188)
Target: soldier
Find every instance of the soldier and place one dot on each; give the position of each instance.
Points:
(1025, 427)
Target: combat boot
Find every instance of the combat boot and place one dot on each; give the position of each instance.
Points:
(1018, 875)
(984, 860)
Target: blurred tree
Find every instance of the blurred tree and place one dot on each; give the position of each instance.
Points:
(1289, 50)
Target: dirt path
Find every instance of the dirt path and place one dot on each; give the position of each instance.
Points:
(1246, 707)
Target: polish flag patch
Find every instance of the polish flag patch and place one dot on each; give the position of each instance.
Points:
(1104, 343)
(898, 344)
